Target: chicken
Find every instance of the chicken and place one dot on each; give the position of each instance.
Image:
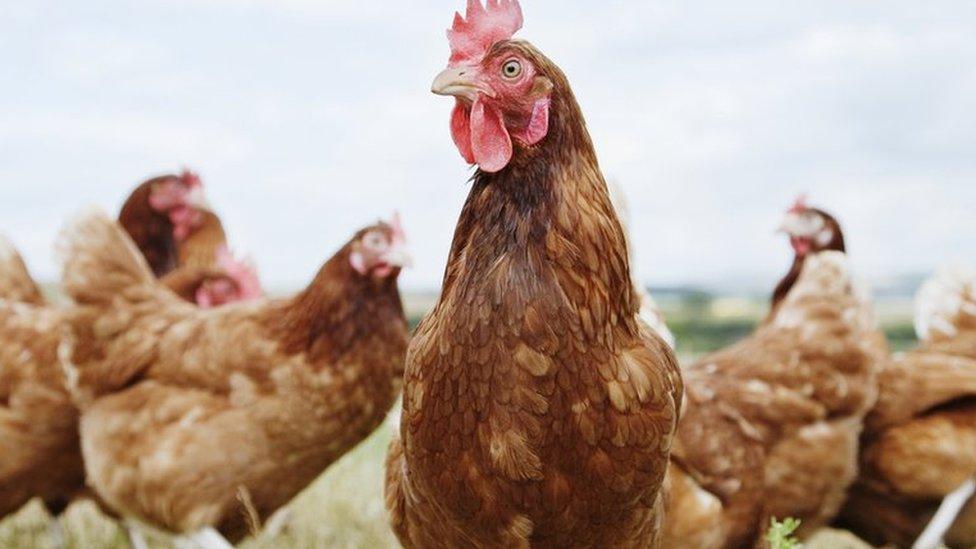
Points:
(771, 424)
(184, 241)
(538, 409)
(226, 280)
(649, 310)
(920, 440)
(162, 211)
(188, 412)
(38, 422)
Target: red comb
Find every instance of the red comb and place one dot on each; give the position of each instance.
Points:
(482, 27)
(800, 205)
(190, 178)
(399, 235)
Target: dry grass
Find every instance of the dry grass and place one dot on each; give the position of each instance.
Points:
(342, 509)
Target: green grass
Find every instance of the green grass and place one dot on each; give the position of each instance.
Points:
(780, 534)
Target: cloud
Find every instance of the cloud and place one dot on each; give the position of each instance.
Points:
(124, 133)
(311, 118)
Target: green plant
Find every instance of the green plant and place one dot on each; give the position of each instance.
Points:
(780, 534)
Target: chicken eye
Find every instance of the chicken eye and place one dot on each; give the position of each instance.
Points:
(374, 241)
(512, 69)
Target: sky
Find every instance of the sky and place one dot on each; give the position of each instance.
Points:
(309, 119)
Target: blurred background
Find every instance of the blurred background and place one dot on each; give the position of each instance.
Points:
(310, 118)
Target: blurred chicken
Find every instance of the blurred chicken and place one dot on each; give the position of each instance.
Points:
(538, 409)
(164, 212)
(187, 413)
(920, 441)
(184, 241)
(38, 422)
(649, 310)
(771, 424)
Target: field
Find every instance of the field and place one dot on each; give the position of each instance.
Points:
(344, 508)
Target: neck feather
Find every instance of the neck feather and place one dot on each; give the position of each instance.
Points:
(544, 230)
(339, 309)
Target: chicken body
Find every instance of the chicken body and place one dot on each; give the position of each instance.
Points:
(186, 413)
(920, 441)
(151, 231)
(772, 423)
(38, 421)
(538, 410)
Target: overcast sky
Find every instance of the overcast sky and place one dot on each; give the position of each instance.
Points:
(308, 119)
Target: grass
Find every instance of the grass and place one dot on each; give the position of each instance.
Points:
(344, 507)
(780, 534)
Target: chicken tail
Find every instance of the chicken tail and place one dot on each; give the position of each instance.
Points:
(16, 283)
(946, 304)
(99, 261)
(109, 280)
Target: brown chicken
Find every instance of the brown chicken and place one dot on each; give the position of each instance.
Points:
(164, 211)
(920, 443)
(38, 422)
(771, 424)
(187, 412)
(538, 409)
(184, 241)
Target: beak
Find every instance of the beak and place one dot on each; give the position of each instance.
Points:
(398, 256)
(459, 82)
(788, 225)
(197, 199)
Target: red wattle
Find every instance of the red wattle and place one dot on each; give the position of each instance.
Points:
(490, 141)
(461, 130)
(801, 246)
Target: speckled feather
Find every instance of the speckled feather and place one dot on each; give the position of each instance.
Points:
(38, 421)
(183, 407)
(920, 441)
(538, 410)
(771, 423)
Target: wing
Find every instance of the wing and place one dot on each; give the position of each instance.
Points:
(38, 436)
(16, 283)
(928, 457)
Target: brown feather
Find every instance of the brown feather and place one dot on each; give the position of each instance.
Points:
(920, 441)
(150, 230)
(538, 410)
(38, 421)
(182, 407)
(772, 423)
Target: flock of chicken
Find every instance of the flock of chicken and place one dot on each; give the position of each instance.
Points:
(540, 405)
